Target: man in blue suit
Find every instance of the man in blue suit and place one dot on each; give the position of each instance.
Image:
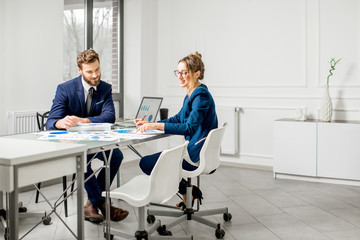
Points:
(71, 105)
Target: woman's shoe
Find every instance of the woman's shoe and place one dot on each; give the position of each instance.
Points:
(196, 194)
(181, 205)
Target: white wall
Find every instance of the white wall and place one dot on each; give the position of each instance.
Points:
(140, 53)
(31, 54)
(2, 63)
(267, 57)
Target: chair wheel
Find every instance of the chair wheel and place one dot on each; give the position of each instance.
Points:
(150, 219)
(219, 233)
(227, 217)
(46, 220)
(111, 236)
(22, 209)
(163, 232)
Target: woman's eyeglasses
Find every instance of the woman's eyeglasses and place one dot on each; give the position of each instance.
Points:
(182, 73)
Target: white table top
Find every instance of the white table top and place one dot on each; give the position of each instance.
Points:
(18, 151)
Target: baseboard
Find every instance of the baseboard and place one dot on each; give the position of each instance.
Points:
(317, 179)
(248, 161)
(245, 165)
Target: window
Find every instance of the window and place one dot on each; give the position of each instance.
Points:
(73, 36)
(105, 39)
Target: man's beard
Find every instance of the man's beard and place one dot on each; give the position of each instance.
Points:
(90, 82)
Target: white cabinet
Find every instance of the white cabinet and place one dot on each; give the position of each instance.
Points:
(317, 149)
(339, 150)
(295, 147)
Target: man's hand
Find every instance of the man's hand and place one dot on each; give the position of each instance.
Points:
(69, 121)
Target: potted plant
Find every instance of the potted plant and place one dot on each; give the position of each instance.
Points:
(326, 104)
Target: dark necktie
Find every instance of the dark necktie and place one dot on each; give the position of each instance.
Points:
(89, 100)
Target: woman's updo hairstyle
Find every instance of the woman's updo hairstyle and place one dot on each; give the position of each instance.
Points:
(194, 63)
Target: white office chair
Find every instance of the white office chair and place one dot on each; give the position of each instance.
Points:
(159, 187)
(209, 161)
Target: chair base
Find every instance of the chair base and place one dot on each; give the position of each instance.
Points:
(191, 214)
(143, 233)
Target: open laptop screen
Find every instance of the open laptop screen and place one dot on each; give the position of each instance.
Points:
(150, 107)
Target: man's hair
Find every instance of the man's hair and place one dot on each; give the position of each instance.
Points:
(87, 56)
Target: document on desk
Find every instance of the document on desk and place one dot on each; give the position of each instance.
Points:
(79, 136)
(97, 135)
(90, 127)
(132, 134)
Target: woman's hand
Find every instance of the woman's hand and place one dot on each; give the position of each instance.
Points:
(150, 126)
(139, 122)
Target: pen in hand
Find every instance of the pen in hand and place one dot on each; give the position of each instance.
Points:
(138, 129)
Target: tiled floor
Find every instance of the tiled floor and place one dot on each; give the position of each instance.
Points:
(263, 208)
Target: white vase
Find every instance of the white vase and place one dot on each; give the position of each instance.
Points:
(326, 106)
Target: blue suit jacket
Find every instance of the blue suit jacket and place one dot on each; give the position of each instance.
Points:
(195, 120)
(70, 100)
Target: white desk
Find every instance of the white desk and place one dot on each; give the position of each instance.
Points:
(24, 162)
(92, 147)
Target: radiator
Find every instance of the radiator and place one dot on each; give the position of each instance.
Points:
(22, 122)
(230, 143)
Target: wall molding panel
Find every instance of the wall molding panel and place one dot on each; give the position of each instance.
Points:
(270, 57)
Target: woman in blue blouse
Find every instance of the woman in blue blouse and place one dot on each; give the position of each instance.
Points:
(195, 120)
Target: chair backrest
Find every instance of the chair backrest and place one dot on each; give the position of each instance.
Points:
(166, 174)
(41, 120)
(209, 154)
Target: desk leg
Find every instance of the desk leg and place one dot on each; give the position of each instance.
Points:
(1, 200)
(107, 188)
(13, 216)
(80, 196)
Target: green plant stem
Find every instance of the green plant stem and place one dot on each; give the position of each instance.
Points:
(333, 63)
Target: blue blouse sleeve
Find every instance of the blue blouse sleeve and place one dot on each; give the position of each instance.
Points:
(198, 110)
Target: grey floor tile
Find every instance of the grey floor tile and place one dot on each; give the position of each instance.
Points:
(290, 228)
(255, 231)
(319, 219)
(200, 231)
(227, 187)
(256, 206)
(294, 186)
(351, 234)
(214, 196)
(261, 208)
(350, 200)
(351, 215)
(280, 198)
(353, 188)
(321, 200)
(239, 215)
(338, 190)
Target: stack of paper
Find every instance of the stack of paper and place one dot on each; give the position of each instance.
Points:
(90, 127)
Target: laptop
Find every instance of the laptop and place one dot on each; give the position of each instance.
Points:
(148, 109)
